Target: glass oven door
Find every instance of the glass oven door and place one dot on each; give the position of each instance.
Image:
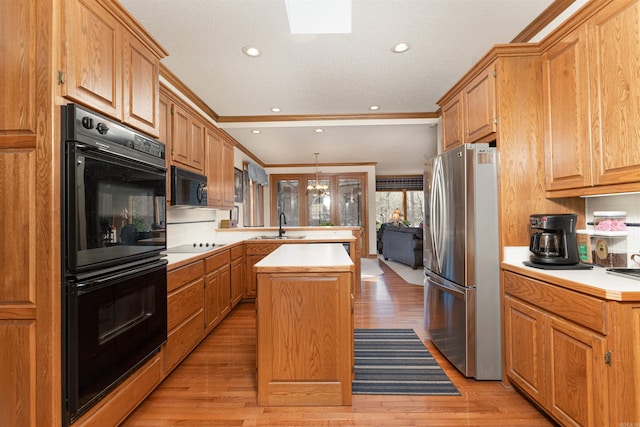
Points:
(115, 208)
(115, 322)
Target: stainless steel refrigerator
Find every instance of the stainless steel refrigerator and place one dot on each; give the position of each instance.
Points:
(461, 259)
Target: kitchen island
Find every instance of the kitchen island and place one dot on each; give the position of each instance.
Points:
(305, 325)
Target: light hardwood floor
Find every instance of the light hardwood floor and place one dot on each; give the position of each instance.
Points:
(216, 384)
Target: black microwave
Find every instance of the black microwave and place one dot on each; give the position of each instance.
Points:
(188, 188)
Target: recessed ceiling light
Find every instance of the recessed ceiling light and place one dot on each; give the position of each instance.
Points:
(400, 47)
(276, 109)
(374, 107)
(255, 131)
(319, 130)
(251, 51)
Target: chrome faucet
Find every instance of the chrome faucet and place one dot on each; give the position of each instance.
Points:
(282, 218)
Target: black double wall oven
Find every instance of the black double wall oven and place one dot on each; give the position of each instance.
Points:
(113, 232)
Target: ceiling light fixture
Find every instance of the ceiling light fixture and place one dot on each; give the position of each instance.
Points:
(256, 131)
(374, 107)
(318, 130)
(276, 109)
(315, 188)
(400, 47)
(251, 51)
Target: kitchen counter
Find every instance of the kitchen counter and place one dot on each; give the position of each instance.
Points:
(595, 282)
(304, 257)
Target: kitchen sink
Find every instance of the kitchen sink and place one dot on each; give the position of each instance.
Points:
(276, 237)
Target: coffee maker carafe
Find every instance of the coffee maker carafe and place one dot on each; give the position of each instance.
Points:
(553, 239)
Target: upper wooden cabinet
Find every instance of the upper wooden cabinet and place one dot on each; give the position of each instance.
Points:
(219, 170)
(592, 104)
(183, 132)
(107, 66)
(469, 115)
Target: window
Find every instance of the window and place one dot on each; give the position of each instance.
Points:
(403, 193)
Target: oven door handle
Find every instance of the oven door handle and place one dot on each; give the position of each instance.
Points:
(99, 283)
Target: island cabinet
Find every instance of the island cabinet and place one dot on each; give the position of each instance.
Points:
(469, 114)
(575, 355)
(237, 274)
(110, 64)
(185, 312)
(592, 102)
(304, 326)
(217, 289)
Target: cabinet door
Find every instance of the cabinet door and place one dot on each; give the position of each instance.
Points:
(614, 61)
(227, 175)
(577, 374)
(524, 347)
(140, 86)
(251, 281)
(211, 298)
(164, 125)
(452, 123)
(479, 104)
(93, 57)
(180, 152)
(224, 293)
(196, 144)
(214, 168)
(237, 270)
(566, 109)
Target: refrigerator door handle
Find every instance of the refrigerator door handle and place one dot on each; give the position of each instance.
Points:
(437, 212)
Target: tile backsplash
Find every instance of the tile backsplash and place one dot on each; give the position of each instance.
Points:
(624, 202)
(195, 225)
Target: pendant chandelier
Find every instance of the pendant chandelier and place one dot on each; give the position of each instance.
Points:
(315, 188)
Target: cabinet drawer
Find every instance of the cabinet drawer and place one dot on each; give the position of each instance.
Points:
(236, 252)
(183, 275)
(582, 309)
(182, 340)
(262, 249)
(184, 303)
(216, 261)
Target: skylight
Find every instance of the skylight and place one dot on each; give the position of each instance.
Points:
(319, 16)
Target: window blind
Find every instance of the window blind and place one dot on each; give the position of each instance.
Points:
(399, 183)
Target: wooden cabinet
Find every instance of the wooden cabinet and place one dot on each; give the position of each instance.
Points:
(558, 350)
(566, 118)
(469, 115)
(107, 66)
(254, 252)
(592, 104)
(479, 106)
(185, 312)
(217, 293)
(187, 138)
(219, 170)
(452, 127)
(237, 274)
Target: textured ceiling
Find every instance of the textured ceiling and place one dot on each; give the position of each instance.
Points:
(330, 74)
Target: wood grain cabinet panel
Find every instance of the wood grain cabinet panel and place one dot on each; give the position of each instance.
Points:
(614, 61)
(108, 68)
(479, 105)
(559, 361)
(237, 275)
(565, 92)
(217, 295)
(452, 126)
(219, 170)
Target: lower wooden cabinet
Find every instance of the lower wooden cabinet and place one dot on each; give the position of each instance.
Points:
(572, 353)
(237, 274)
(217, 292)
(254, 252)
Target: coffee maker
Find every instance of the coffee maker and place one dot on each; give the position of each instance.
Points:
(553, 240)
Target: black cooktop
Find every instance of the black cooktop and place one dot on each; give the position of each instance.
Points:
(192, 248)
(631, 273)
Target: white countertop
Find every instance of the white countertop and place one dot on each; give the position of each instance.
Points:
(596, 282)
(306, 256)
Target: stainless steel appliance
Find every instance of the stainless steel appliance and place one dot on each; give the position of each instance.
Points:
(553, 239)
(114, 304)
(188, 188)
(461, 259)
